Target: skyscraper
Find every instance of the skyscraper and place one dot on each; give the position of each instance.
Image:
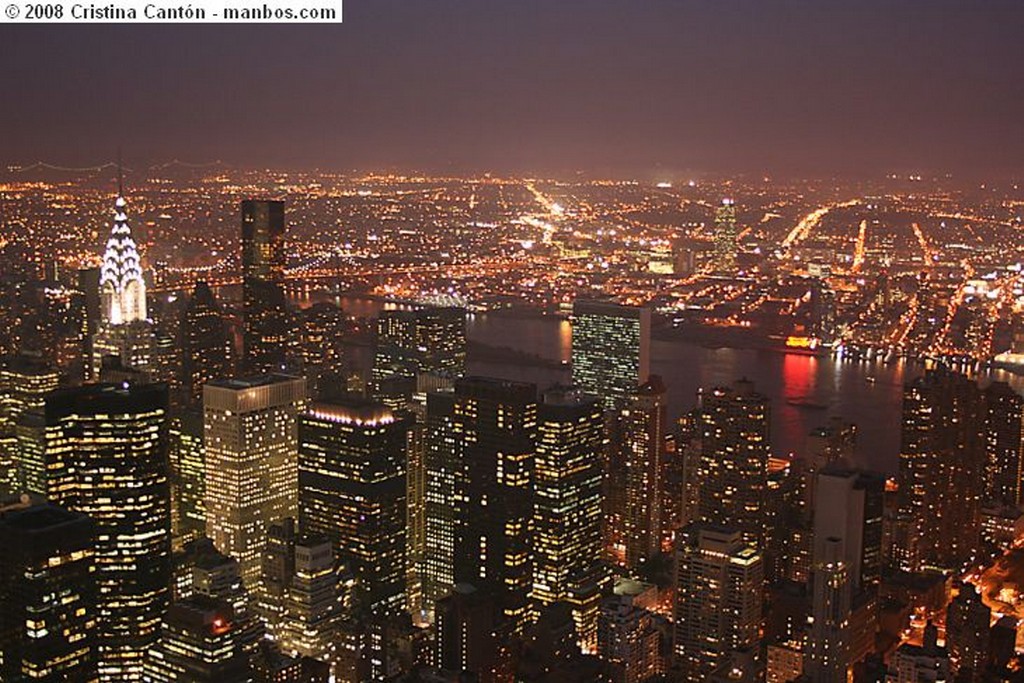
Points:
(719, 592)
(251, 435)
(312, 607)
(628, 634)
(106, 452)
(829, 638)
(187, 459)
(726, 233)
(567, 542)
(267, 325)
(24, 383)
(423, 341)
(47, 595)
(941, 470)
(733, 471)
(611, 348)
(124, 329)
(639, 436)
(352, 457)
(479, 461)
(850, 507)
(968, 635)
(207, 344)
(1004, 445)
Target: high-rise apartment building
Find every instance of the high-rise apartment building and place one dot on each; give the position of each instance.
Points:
(200, 642)
(106, 454)
(1004, 444)
(251, 437)
(719, 593)
(635, 473)
(734, 426)
(726, 237)
(941, 469)
(611, 349)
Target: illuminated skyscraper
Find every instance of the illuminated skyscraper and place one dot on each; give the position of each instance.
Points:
(611, 349)
(1004, 445)
(941, 474)
(628, 634)
(639, 439)
(733, 472)
(312, 604)
(47, 595)
(479, 462)
(849, 506)
(828, 643)
(187, 459)
(968, 635)
(24, 383)
(251, 436)
(352, 457)
(106, 452)
(124, 328)
(567, 489)
(726, 234)
(207, 344)
(719, 592)
(267, 324)
(424, 341)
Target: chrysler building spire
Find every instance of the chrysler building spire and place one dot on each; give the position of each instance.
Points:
(122, 288)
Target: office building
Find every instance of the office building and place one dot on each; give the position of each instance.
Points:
(828, 643)
(1004, 445)
(187, 460)
(421, 341)
(251, 437)
(310, 623)
(352, 491)
(968, 635)
(611, 349)
(200, 643)
(106, 453)
(567, 489)
(207, 343)
(479, 462)
(48, 595)
(267, 333)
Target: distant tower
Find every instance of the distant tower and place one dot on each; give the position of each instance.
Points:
(267, 325)
(726, 234)
(611, 349)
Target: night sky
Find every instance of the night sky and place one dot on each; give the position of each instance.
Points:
(626, 86)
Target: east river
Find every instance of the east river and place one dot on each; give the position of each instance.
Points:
(805, 390)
